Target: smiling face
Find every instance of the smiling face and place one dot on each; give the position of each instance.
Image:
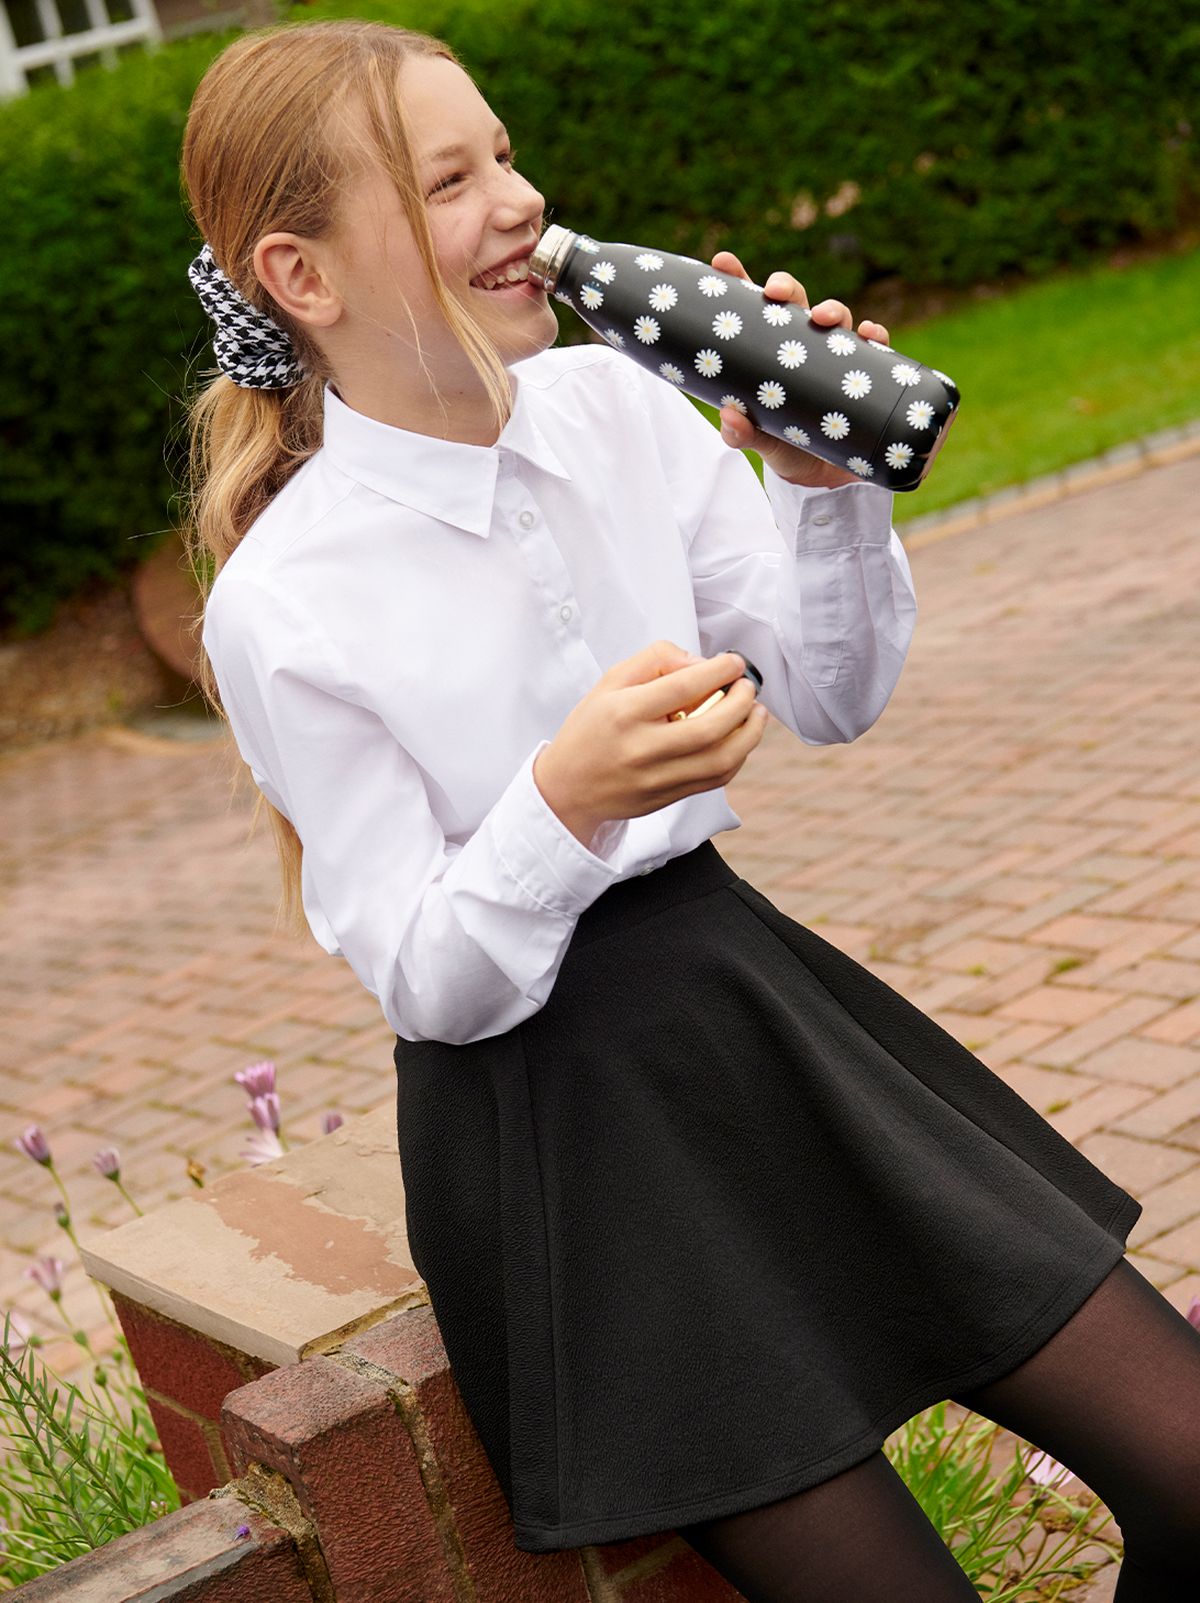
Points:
(480, 211)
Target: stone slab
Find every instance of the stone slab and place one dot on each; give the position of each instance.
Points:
(282, 1260)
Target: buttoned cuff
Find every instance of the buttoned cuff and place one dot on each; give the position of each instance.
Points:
(539, 852)
(829, 520)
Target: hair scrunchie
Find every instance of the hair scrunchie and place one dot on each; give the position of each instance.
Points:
(249, 346)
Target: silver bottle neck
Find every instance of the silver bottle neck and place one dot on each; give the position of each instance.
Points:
(549, 255)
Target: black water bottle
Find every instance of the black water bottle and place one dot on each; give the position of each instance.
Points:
(856, 403)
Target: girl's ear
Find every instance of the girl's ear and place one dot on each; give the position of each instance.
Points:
(288, 269)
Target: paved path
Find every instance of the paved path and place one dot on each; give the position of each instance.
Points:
(1015, 846)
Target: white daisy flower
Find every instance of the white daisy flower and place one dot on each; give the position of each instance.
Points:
(772, 394)
(586, 242)
(791, 353)
(842, 344)
(777, 315)
(646, 329)
(906, 373)
(836, 425)
(726, 325)
(859, 464)
(605, 272)
(796, 435)
(879, 345)
(708, 363)
(734, 400)
(670, 371)
(712, 285)
(648, 261)
(615, 337)
(919, 415)
(591, 296)
(561, 295)
(898, 455)
(944, 378)
(663, 297)
(856, 384)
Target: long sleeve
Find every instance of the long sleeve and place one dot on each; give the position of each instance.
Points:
(812, 585)
(456, 942)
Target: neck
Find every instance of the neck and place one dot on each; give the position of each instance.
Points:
(452, 412)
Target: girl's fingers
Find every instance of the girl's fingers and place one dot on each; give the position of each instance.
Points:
(726, 262)
(783, 287)
(832, 312)
(736, 428)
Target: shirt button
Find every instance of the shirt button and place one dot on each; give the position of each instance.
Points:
(648, 870)
(526, 520)
(821, 520)
(564, 613)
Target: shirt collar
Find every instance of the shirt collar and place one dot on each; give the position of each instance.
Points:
(445, 479)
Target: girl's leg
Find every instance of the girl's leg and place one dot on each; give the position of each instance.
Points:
(861, 1537)
(1115, 1395)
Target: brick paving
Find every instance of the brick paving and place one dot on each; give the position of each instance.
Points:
(1015, 847)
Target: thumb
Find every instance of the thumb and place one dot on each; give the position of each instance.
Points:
(663, 656)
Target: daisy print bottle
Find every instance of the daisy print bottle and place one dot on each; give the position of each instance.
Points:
(856, 403)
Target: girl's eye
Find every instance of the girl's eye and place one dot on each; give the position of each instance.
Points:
(508, 156)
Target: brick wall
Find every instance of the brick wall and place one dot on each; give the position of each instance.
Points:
(307, 1410)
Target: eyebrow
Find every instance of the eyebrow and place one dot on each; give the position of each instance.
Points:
(457, 150)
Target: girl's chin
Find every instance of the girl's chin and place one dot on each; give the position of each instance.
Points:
(522, 343)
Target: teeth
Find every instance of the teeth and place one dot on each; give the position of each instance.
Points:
(514, 273)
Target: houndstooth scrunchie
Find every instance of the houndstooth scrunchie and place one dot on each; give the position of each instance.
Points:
(249, 346)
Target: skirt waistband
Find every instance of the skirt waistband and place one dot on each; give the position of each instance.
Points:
(680, 879)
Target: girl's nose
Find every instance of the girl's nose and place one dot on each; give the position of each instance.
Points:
(518, 195)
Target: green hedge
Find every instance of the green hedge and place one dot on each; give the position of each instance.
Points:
(925, 140)
(98, 324)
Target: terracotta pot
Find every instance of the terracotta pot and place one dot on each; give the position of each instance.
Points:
(166, 600)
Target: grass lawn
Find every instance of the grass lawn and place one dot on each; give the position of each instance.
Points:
(1056, 372)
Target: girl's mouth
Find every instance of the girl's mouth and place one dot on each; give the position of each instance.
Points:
(525, 289)
(511, 281)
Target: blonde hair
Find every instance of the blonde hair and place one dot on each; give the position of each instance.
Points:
(259, 155)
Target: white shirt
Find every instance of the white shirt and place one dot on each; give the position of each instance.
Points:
(410, 620)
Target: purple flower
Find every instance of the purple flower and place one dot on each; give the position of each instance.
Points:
(261, 1147)
(258, 1079)
(108, 1162)
(34, 1144)
(1193, 1313)
(48, 1272)
(1047, 1471)
(265, 1110)
(331, 1121)
(242, 1530)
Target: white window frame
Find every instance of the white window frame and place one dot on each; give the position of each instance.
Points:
(59, 49)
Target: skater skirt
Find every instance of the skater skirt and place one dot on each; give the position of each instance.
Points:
(723, 1214)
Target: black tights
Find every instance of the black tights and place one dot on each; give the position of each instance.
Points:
(1114, 1395)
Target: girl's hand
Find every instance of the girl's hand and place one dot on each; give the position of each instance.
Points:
(789, 461)
(619, 754)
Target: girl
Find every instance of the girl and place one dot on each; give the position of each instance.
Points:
(705, 1210)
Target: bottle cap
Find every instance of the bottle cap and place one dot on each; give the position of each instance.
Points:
(750, 671)
(549, 254)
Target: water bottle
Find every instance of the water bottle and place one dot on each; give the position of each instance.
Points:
(856, 403)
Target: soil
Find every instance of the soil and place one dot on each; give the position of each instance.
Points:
(92, 666)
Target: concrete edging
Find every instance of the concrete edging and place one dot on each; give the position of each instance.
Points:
(1121, 462)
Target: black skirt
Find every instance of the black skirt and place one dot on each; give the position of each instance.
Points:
(724, 1214)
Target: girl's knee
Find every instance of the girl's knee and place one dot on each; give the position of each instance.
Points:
(1166, 1547)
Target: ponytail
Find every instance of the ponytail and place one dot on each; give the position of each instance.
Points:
(259, 157)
